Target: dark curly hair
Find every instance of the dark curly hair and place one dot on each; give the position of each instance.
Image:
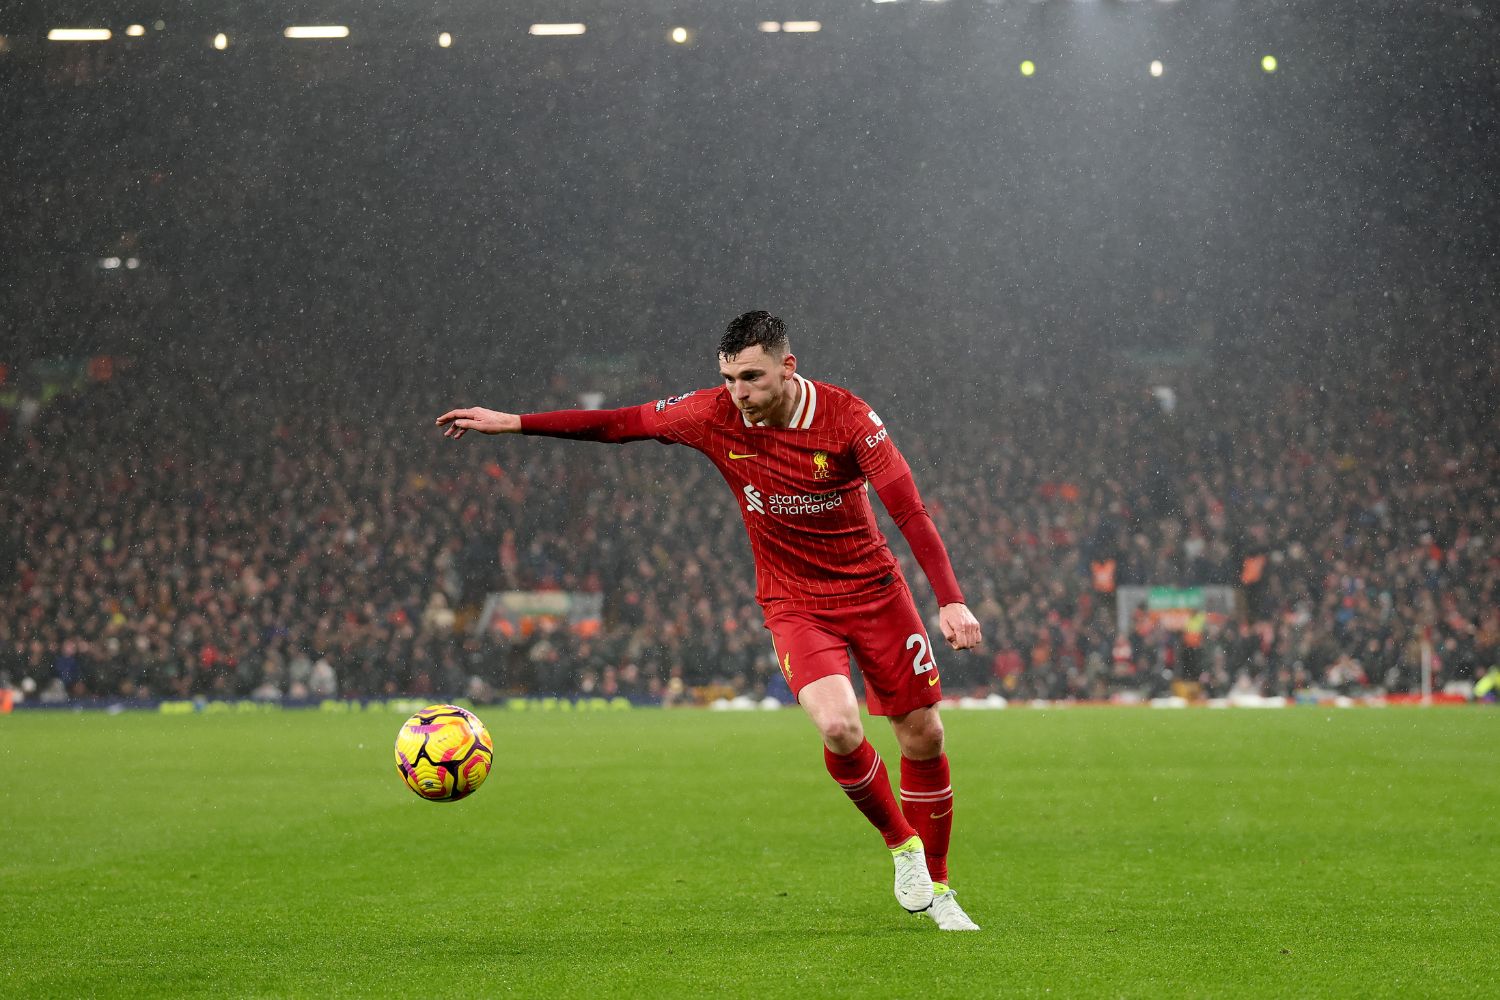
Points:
(754, 329)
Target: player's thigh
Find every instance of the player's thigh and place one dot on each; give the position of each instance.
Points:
(807, 649)
(830, 703)
(895, 657)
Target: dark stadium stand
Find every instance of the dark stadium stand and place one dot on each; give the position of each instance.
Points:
(171, 537)
(299, 258)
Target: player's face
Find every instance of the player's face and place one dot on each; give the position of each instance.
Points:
(759, 383)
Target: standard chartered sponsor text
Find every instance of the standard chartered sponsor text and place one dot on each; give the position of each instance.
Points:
(804, 503)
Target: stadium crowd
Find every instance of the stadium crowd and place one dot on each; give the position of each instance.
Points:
(191, 527)
(163, 536)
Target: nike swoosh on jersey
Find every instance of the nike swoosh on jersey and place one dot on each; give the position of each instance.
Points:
(735, 456)
(932, 680)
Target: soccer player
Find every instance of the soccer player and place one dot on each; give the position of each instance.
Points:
(798, 455)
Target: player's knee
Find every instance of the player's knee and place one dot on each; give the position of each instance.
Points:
(924, 740)
(841, 734)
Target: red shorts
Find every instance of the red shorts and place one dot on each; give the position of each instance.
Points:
(887, 638)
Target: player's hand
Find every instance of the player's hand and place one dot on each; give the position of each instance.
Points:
(960, 627)
(456, 423)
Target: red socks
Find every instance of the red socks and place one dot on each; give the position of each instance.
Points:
(927, 803)
(926, 800)
(862, 776)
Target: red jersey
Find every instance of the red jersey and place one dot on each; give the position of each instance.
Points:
(801, 488)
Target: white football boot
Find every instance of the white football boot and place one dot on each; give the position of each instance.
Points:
(913, 884)
(946, 912)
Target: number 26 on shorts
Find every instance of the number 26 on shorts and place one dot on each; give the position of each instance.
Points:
(923, 661)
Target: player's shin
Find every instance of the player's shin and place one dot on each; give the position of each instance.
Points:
(927, 803)
(863, 777)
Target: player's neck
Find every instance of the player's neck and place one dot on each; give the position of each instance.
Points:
(783, 415)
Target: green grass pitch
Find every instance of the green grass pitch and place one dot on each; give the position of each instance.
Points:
(1133, 853)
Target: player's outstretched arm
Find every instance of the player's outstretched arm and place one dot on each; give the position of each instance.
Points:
(613, 426)
(456, 423)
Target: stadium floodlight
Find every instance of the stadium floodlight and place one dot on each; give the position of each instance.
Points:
(558, 29)
(131, 263)
(317, 31)
(221, 41)
(136, 30)
(882, 1)
(680, 35)
(1157, 68)
(770, 27)
(445, 40)
(79, 35)
(802, 26)
(1028, 68)
(1268, 63)
(109, 263)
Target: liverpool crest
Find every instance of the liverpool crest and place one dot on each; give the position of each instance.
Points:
(820, 465)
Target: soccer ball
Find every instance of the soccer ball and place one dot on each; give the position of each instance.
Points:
(443, 753)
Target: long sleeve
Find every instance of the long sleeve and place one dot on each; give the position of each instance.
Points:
(899, 494)
(613, 426)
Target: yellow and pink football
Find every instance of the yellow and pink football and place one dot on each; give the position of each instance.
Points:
(444, 753)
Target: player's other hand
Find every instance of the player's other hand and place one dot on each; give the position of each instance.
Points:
(456, 423)
(960, 627)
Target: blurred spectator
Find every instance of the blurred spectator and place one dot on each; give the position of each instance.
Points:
(323, 683)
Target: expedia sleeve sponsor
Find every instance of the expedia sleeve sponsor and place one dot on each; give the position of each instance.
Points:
(873, 449)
